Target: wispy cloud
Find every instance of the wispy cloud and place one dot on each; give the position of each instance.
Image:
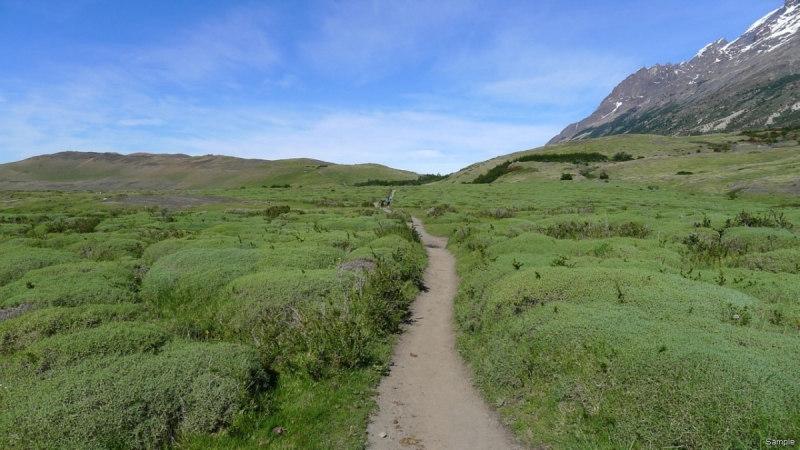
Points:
(239, 41)
(368, 39)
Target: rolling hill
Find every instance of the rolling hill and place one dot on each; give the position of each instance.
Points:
(112, 171)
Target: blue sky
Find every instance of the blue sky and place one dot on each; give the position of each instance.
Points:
(429, 86)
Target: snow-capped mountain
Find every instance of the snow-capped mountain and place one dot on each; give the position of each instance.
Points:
(752, 82)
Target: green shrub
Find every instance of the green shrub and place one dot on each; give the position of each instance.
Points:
(493, 174)
(573, 158)
(422, 179)
(784, 260)
(14, 264)
(77, 225)
(300, 257)
(768, 220)
(320, 322)
(400, 229)
(593, 341)
(622, 156)
(566, 177)
(71, 285)
(194, 276)
(112, 339)
(110, 249)
(282, 313)
(34, 326)
(140, 401)
(588, 230)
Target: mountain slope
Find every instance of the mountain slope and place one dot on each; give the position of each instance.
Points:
(111, 171)
(715, 163)
(752, 82)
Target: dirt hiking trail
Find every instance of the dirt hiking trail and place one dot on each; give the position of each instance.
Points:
(428, 400)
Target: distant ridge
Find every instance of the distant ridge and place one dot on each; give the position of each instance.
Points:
(113, 171)
(750, 83)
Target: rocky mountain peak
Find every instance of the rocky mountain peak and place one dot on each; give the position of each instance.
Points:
(750, 82)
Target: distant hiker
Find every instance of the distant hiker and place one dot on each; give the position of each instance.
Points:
(383, 203)
(388, 201)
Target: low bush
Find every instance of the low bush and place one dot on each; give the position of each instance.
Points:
(139, 401)
(622, 156)
(588, 230)
(422, 179)
(195, 276)
(624, 329)
(408, 233)
(72, 285)
(109, 249)
(768, 220)
(301, 257)
(572, 158)
(34, 326)
(14, 264)
(111, 339)
(76, 225)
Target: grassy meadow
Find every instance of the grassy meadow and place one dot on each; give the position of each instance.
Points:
(649, 302)
(262, 318)
(617, 315)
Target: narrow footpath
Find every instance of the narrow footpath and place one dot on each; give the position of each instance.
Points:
(428, 400)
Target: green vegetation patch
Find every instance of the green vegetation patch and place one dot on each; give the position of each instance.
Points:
(72, 285)
(422, 179)
(573, 158)
(195, 276)
(612, 316)
(18, 333)
(16, 261)
(112, 339)
(588, 230)
(139, 401)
